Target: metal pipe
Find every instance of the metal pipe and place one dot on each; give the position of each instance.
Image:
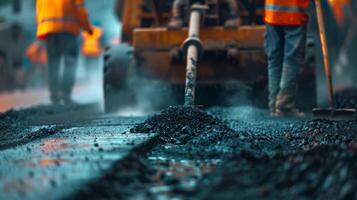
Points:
(192, 57)
(191, 73)
(194, 26)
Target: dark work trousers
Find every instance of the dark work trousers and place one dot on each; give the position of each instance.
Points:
(285, 48)
(61, 46)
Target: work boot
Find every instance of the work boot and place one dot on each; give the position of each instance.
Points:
(272, 108)
(289, 113)
(232, 23)
(55, 100)
(285, 105)
(175, 23)
(272, 112)
(68, 101)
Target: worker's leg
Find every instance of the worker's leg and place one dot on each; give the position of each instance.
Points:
(54, 57)
(234, 19)
(274, 45)
(177, 17)
(294, 56)
(70, 65)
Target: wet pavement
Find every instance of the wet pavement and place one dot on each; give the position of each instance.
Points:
(53, 166)
(85, 93)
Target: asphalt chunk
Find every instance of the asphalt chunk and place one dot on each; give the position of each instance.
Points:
(180, 124)
(127, 178)
(325, 132)
(324, 172)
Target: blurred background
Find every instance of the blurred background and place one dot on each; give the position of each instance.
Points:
(23, 83)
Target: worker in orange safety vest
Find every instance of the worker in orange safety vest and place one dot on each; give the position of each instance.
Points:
(286, 29)
(59, 23)
(92, 49)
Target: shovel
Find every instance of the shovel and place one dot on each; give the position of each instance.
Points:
(332, 112)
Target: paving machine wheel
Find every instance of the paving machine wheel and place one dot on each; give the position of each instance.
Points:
(118, 61)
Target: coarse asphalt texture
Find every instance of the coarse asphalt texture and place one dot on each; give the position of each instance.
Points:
(221, 153)
(235, 153)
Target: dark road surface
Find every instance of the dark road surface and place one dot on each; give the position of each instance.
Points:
(180, 153)
(55, 165)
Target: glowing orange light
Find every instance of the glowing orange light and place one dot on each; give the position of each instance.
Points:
(54, 144)
(338, 7)
(51, 161)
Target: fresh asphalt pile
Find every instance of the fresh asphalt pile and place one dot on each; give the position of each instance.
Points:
(258, 158)
(192, 132)
(178, 125)
(184, 126)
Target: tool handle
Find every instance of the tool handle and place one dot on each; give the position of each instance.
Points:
(327, 68)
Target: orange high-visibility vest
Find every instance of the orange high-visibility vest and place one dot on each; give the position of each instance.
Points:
(37, 53)
(54, 16)
(286, 12)
(91, 46)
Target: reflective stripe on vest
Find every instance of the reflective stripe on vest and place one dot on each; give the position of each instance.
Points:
(54, 19)
(279, 8)
(286, 12)
(299, 3)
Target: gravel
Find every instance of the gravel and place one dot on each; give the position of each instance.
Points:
(180, 125)
(324, 172)
(249, 157)
(325, 132)
(125, 179)
(347, 98)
